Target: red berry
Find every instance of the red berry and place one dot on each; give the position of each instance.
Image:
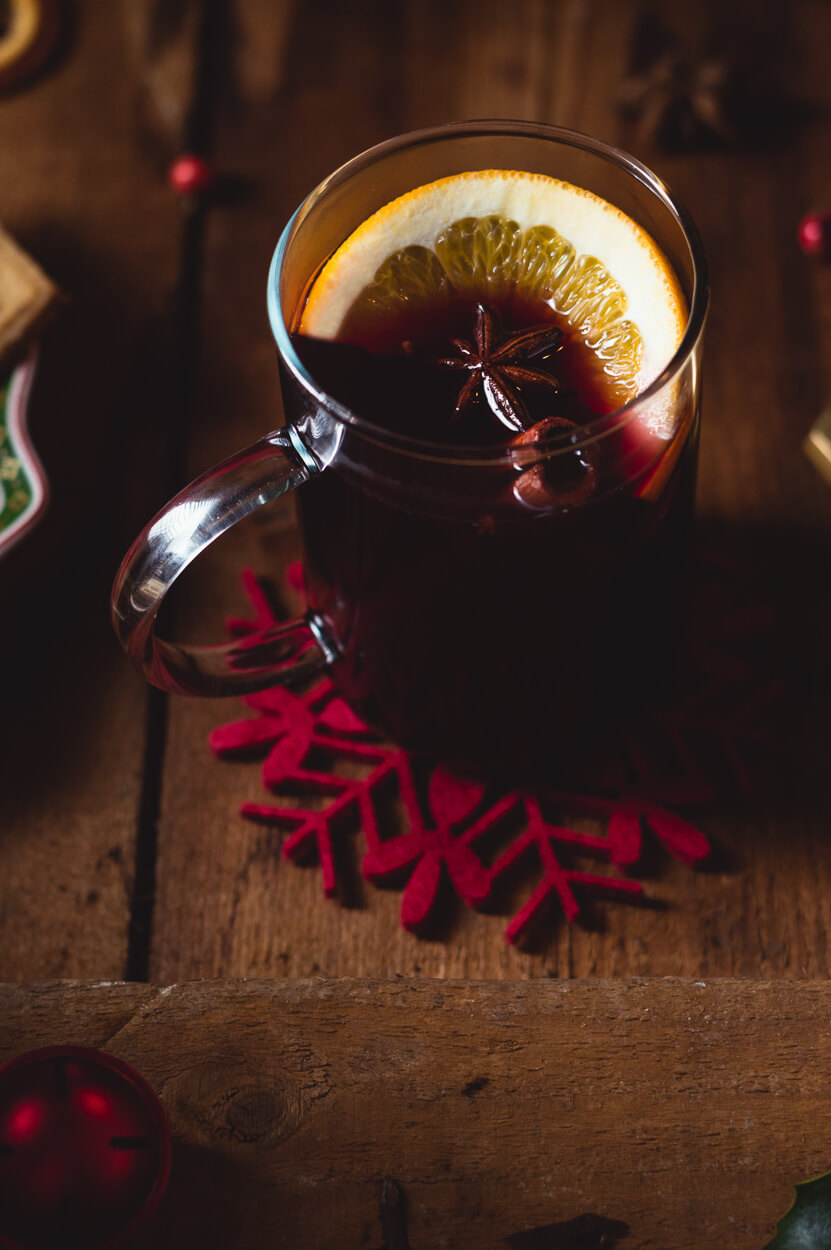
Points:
(815, 234)
(190, 174)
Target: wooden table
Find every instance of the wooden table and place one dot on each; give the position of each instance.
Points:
(122, 854)
(550, 1115)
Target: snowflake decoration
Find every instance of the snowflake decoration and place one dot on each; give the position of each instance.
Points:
(446, 821)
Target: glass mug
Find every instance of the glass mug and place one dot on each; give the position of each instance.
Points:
(453, 616)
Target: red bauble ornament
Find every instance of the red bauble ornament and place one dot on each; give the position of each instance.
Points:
(84, 1150)
(815, 234)
(190, 174)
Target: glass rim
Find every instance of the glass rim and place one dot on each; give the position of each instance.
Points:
(587, 433)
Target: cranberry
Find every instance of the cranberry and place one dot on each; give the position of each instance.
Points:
(190, 174)
(815, 234)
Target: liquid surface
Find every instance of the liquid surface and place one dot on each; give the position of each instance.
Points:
(499, 616)
(384, 368)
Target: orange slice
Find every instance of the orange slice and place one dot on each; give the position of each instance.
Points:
(493, 229)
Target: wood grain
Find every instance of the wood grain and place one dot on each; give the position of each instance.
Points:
(82, 192)
(762, 505)
(298, 89)
(227, 904)
(680, 1109)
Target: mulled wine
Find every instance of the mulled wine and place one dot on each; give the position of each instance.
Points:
(509, 611)
(489, 337)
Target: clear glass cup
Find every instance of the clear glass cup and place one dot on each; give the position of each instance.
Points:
(457, 608)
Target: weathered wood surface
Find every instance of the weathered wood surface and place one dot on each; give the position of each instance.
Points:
(299, 87)
(346, 77)
(82, 156)
(684, 1110)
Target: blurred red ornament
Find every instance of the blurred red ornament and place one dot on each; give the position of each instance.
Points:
(190, 174)
(84, 1150)
(815, 234)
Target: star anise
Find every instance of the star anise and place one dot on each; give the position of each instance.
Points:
(681, 102)
(725, 86)
(493, 364)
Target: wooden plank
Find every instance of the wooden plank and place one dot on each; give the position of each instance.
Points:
(82, 185)
(683, 1110)
(227, 904)
(245, 911)
(764, 910)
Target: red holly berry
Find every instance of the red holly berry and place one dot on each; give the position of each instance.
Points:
(190, 174)
(815, 234)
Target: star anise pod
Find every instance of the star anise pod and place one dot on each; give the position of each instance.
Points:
(681, 102)
(725, 87)
(493, 362)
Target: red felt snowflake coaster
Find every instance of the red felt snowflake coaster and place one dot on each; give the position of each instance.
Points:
(446, 824)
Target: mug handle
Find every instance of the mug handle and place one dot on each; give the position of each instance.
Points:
(185, 527)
